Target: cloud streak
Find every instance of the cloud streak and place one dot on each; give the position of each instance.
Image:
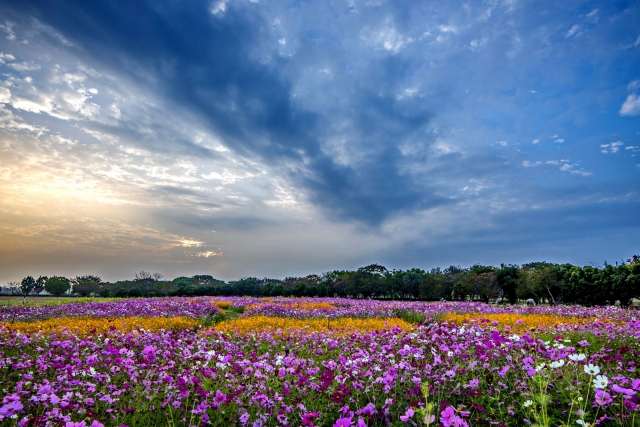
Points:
(210, 122)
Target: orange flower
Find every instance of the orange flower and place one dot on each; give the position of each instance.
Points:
(517, 322)
(90, 325)
(282, 325)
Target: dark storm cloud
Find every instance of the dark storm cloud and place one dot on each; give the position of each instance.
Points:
(226, 70)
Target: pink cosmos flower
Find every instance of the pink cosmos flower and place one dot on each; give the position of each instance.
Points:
(407, 415)
(629, 405)
(343, 422)
(602, 397)
(447, 416)
(622, 390)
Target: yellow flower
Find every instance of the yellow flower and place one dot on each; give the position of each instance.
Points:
(282, 325)
(517, 322)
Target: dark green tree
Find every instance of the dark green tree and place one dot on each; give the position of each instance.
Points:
(57, 286)
(86, 285)
(507, 278)
(27, 285)
(411, 281)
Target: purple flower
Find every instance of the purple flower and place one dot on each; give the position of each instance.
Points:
(78, 424)
(626, 391)
(447, 416)
(343, 422)
(244, 418)
(407, 415)
(602, 397)
(11, 408)
(368, 410)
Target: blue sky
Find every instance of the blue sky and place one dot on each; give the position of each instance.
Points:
(277, 138)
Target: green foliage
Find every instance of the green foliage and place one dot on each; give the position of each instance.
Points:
(27, 285)
(57, 286)
(543, 281)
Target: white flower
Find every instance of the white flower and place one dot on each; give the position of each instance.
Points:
(600, 381)
(540, 367)
(557, 364)
(583, 423)
(578, 357)
(591, 369)
(515, 338)
(527, 403)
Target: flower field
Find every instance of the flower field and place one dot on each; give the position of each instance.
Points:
(317, 362)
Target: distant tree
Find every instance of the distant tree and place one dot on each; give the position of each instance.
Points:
(13, 288)
(27, 285)
(484, 285)
(145, 281)
(40, 281)
(86, 285)
(105, 292)
(299, 289)
(411, 281)
(507, 278)
(57, 286)
(136, 293)
(547, 281)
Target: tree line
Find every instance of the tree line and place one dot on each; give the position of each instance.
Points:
(541, 281)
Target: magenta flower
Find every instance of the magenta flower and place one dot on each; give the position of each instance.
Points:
(602, 397)
(626, 391)
(447, 416)
(245, 417)
(343, 422)
(11, 408)
(407, 416)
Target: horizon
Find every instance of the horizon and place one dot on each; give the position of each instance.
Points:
(275, 139)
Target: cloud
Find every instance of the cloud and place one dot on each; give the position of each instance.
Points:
(559, 140)
(24, 66)
(528, 164)
(4, 57)
(386, 38)
(631, 106)
(478, 44)
(258, 128)
(573, 31)
(612, 147)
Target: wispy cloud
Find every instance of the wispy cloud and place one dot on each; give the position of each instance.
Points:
(612, 147)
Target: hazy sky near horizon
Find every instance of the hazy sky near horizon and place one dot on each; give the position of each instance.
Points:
(278, 138)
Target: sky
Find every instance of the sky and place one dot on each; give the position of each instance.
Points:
(276, 138)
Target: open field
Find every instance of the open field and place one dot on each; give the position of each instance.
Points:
(317, 362)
